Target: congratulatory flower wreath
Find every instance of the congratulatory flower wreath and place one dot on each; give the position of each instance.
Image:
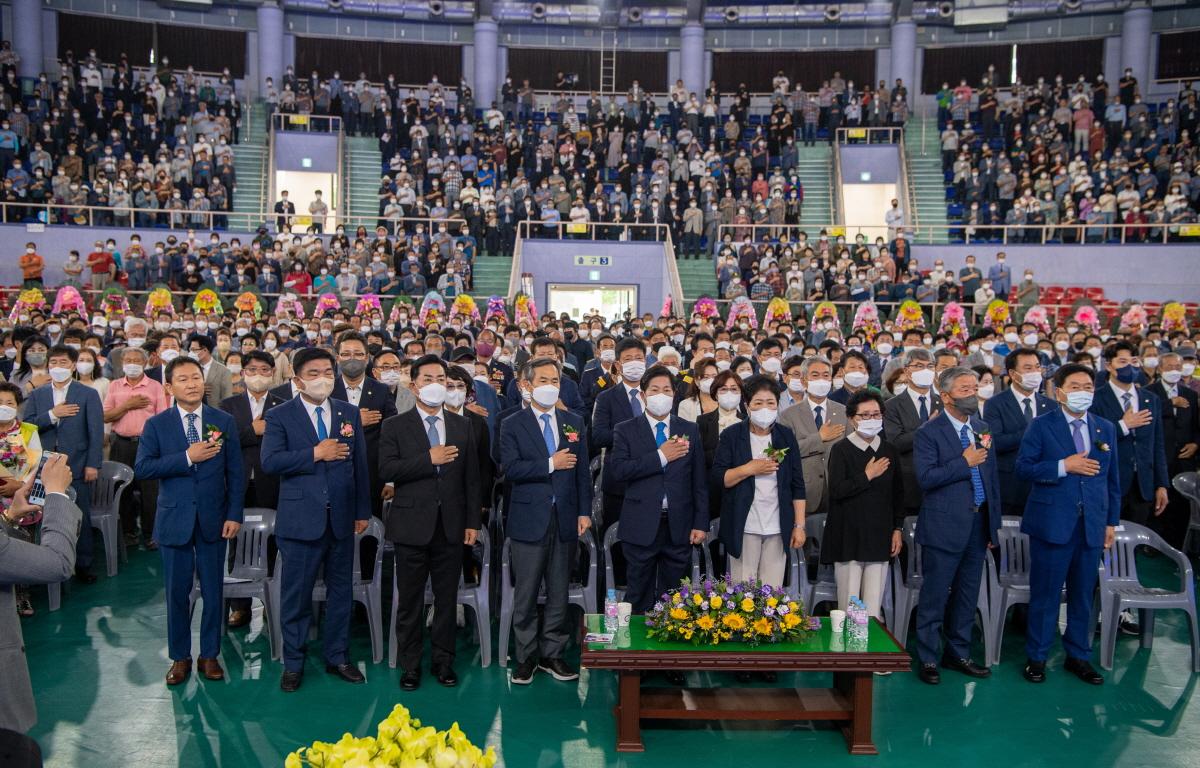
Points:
(750, 612)
(400, 741)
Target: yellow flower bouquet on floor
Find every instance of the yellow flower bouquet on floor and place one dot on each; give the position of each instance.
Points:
(400, 741)
(750, 612)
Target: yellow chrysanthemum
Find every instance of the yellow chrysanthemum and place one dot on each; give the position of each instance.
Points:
(679, 614)
(747, 605)
(734, 622)
(677, 598)
(697, 598)
(705, 622)
(791, 620)
(716, 602)
(763, 626)
(793, 607)
(772, 601)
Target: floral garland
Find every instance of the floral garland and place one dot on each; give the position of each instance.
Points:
(158, 302)
(68, 299)
(464, 306)
(778, 311)
(326, 303)
(1088, 318)
(208, 301)
(27, 301)
(954, 322)
(826, 310)
(248, 301)
(866, 319)
(116, 304)
(433, 308)
(1135, 317)
(400, 740)
(996, 315)
(1174, 317)
(749, 612)
(1039, 317)
(741, 309)
(289, 305)
(705, 307)
(401, 302)
(498, 309)
(909, 316)
(368, 303)
(666, 307)
(525, 310)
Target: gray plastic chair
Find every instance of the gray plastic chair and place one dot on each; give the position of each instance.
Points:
(369, 593)
(1012, 576)
(106, 510)
(249, 574)
(54, 591)
(824, 587)
(582, 594)
(476, 596)
(1120, 590)
(703, 566)
(611, 537)
(1188, 485)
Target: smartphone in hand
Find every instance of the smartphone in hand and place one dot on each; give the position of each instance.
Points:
(37, 493)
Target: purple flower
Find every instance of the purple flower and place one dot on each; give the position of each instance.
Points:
(814, 622)
(766, 590)
(783, 610)
(704, 606)
(658, 607)
(729, 589)
(769, 611)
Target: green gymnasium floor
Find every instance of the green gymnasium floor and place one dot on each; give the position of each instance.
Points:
(98, 667)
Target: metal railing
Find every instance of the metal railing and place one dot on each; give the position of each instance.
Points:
(932, 310)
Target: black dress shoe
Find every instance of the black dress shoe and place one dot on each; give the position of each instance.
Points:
(1084, 671)
(1035, 671)
(347, 672)
(743, 677)
(289, 682)
(558, 669)
(445, 676)
(674, 677)
(523, 674)
(85, 577)
(929, 674)
(967, 667)
(410, 681)
(1127, 625)
(768, 677)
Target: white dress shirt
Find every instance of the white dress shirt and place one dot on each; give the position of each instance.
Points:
(256, 404)
(1133, 403)
(916, 399)
(439, 424)
(183, 417)
(326, 416)
(59, 395)
(823, 405)
(353, 391)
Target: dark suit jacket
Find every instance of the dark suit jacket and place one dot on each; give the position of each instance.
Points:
(536, 493)
(266, 486)
(612, 408)
(81, 436)
(424, 492)
(1007, 423)
(734, 451)
(946, 513)
(900, 424)
(483, 453)
(1142, 448)
(635, 462)
(284, 391)
(1180, 426)
(375, 397)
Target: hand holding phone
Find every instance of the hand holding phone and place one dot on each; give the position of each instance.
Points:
(53, 475)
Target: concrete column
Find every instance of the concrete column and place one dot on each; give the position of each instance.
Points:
(270, 46)
(904, 57)
(27, 36)
(49, 39)
(468, 70)
(1135, 45)
(487, 63)
(691, 58)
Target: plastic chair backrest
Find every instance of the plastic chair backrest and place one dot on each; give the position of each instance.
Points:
(506, 561)
(1188, 485)
(1119, 561)
(113, 475)
(588, 542)
(374, 530)
(914, 549)
(251, 549)
(814, 531)
(483, 543)
(1014, 547)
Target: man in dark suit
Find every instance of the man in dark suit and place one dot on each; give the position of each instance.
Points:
(70, 419)
(600, 373)
(1181, 436)
(434, 512)
(960, 514)
(315, 445)
(1070, 458)
(1008, 414)
(459, 389)
(192, 452)
(544, 454)
(905, 413)
(544, 346)
(287, 209)
(665, 509)
(249, 411)
(374, 401)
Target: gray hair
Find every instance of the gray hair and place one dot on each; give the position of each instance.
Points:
(127, 351)
(131, 322)
(539, 362)
(913, 355)
(950, 375)
(809, 362)
(1165, 356)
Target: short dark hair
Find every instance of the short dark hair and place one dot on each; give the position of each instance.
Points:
(202, 340)
(14, 390)
(756, 384)
(1013, 359)
(257, 355)
(854, 354)
(169, 372)
(425, 360)
(768, 343)
(630, 342)
(863, 395)
(1070, 369)
(308, 355)
(1117, 347)
(63, 349)
(458, 374)
(349, 336)
(655, 372)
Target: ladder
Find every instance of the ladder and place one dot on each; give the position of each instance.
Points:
(608, 61)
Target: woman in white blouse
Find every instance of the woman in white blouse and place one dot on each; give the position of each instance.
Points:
(701, 398)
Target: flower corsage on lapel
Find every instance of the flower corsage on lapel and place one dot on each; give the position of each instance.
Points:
(570, 433)
(214, 435)
(776, 455)
(984, 438)
(1102, 446)
(347, 430)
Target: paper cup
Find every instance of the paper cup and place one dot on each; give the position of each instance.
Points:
(623, 638)
(837, 621)
(624, 611)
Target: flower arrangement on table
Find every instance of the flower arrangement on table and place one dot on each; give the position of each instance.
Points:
(909, 316)
(497, 308)
(400, 740)
(27, 301)
(1174, 317)
(327, 303)
(866, 319)
(207, 301)
(1135, 318)
(1038, 317)
(741, 309)
(705, 307)
(68, 299)
(466, 308)
(368, 303)
(1088, 318)
(750, 612)
(778, 311)
(954, 322)
(996, 315)
(249, 301)
(160, 301)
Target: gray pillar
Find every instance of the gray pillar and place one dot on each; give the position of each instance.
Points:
(691, 58)
(27, 36)
(270, 46)
(904, 57)
(1135, 45)
(487, 62)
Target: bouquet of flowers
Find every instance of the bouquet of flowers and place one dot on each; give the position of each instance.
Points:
(400, 740)
(464, 306)
(866, 319)
(826, 310)
(401, 302)
(496, 308)
(750, 612)
(909, 316)
(208, 301)
(67, 299)
(741, 309)
(778, 311)
(705, 307)
(1088, 318)
(433, 309)
(1135, 318)
(27, 301)
(525, 310)
(289, 305)
(666, 307)
(1038, 316)
(115, 303)
(1174, 317)
(327, 303)
(158, 302)
(368, 303)
(775, 454)
(248, 301)
(996, 315)
(954, 322)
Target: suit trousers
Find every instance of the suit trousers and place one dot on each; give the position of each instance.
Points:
(548, 560)
(302, 560)
(438, 562)
(205, 560)
(83, 500)
(762, 558)
(655, 568)
(949, 595)
(862, 579)
(142, 508)
(1050, 566)
(1134, 508)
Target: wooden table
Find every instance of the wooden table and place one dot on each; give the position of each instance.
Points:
(848, 701)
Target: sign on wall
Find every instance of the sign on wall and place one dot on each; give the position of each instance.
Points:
(593, 261)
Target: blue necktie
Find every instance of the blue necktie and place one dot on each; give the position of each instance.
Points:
(635, 405)
(925, 410)
(660, 433)
(817, 416)
(548, 434)
(434, 438)
(322, 432)
(976, 478)
(192, 435)
(1077, 435)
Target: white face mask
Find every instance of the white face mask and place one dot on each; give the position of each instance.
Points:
(868, 428)
(133, 370)
(922, 378)
(706, 385)
(772, 365)
(728, 401)
(1032, 380)
(60, 374)
(167, 355)
(1189, 369)
(318, 389)
(1095, 352)
(608, 355)
(819, 387)
(795, 386)
(1172, 377)
(7, 413)
(432, 395)
(455, 398)
(856, 379)
(659, 405)
(1013, 338)
(723, 365)
(135, 341)
(884, 348)
(763, 418)
(1030, 339)
(632, 370)
(85, 368)
(1150, 362)
(986, 391)
(546, 395)
(899, 389)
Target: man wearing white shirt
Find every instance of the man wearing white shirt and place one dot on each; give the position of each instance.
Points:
(818, 423)
(904, 414)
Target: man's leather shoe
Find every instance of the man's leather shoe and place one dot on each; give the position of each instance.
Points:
(523, 674)
(743, 677)
(929, 674)
(289, 682)
(85, 577)
(1084, 671)
(674, 677)
(1035, 671)
(445, 676)
(211, 669)
(347, 672)
(179, 671)
(967, 667)
(1127, 625)
(238, 619)
(558, 669)
(410, 681)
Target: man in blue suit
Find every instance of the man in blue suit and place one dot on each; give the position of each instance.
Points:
(315, 444)
(959, 517)
(543, 450)
(70, 419)
(544, 346)
(1071, 459)
(194, 453)
(1008, 415)
(660, 460)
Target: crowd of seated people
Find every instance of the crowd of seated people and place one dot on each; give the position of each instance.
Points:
(145, 147)
(1061, 161)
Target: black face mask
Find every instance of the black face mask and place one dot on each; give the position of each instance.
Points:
(374, 349)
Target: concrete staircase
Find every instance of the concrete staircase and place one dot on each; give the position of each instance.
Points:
(698, 278)
(250, 163)
(363, 166)
(928, 183)
(491, 275)
(815, 165)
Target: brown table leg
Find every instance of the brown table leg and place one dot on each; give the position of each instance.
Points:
(857, 687)
(629, 713)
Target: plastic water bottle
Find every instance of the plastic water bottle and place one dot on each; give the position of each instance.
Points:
(861, 617)
(610, 611)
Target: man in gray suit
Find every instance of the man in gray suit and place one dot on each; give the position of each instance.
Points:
(818, 423)
(218, 381)
(48, 562)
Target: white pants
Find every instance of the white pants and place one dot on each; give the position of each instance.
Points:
(862, 579)
(762, 558)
